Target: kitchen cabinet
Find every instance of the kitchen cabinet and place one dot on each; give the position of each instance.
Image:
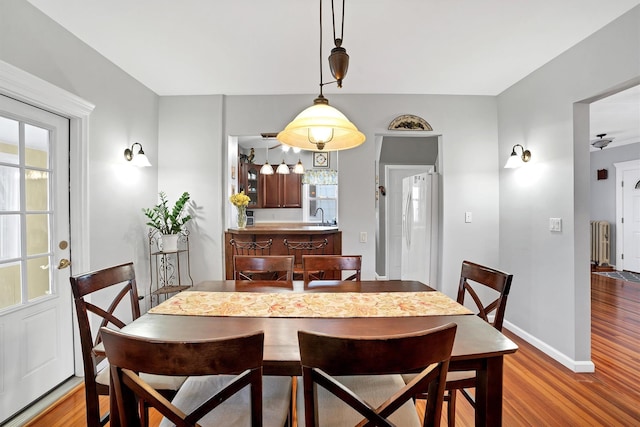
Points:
(282, 191)
(249, 180)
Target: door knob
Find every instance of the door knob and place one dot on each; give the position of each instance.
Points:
(64, 263)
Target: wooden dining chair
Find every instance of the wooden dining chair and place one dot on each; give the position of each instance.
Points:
(488, 290)
(225, 385)
(260, 247)
(89, 289)
(266, 267)
(348, 379)
(315, 267)
(300, 248)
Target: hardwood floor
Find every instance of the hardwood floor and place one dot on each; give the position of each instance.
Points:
(538, 391)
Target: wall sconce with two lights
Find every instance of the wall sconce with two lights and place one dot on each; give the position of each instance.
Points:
(137, 158)
(515, 160)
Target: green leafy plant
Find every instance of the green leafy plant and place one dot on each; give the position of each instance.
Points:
(165, 220)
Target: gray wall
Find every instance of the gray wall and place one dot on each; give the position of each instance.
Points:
(550, 297)
(125, 112)
(603, 192)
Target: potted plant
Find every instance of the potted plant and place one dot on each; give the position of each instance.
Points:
(170, 223)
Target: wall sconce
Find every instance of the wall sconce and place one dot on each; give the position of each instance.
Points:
(515, 161)
(137, 158)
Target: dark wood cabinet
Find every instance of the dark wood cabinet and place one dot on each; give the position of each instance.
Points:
(249, 181)
(282, 191)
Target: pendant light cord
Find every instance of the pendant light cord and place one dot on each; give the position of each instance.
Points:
(333, 15)
(320, 61)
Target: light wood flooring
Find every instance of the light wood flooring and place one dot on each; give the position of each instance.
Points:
(538, 391)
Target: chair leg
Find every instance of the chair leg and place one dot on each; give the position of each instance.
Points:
(451, 409)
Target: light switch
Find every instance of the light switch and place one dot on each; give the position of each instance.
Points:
(555, 224)
(363, 237)
(467, 217)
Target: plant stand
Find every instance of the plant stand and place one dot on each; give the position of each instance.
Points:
(167, 274)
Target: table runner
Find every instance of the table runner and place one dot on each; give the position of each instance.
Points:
(300, 304)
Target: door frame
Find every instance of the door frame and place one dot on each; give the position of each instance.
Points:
(25, 87)
(620, 168)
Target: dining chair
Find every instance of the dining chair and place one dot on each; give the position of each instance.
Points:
(225, 386)
(260, 247)
(300, 248)
(116, 286)
(346, 379)
(315, 267)
(265, 267)
(488, 290)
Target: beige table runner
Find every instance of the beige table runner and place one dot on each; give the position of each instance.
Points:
(300, 304)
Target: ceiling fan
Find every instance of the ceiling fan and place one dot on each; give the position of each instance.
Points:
(601, 142)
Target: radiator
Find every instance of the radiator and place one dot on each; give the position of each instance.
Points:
(600, 243)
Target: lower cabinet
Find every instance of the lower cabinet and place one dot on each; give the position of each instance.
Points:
(277, 236)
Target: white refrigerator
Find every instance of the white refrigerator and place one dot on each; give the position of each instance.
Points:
(419, 259)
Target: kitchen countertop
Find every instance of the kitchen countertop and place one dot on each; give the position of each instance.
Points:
(287, 227)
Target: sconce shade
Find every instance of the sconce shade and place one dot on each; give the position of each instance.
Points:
(321, 126)
(283, 169)
(515, 161)
(138, 158)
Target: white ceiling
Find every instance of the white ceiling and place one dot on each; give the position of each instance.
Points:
(239, 47)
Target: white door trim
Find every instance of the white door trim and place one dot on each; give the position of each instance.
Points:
(620, 168)
(23, 86)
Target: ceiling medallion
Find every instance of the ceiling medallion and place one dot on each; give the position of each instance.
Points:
(409, 122)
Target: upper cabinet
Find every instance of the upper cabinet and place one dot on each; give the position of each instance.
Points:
(282, 191)
(270, 191)
(249, 182)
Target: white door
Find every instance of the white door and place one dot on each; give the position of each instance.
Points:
(393, 208)
(631, 215)
(36, 332)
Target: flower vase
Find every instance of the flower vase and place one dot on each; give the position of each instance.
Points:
(242, 217)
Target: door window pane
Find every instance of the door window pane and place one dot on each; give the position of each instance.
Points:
(10, 242)
(10, 284)
(9, 133)
(38, 277)
(9, 188)
(37, 234)
(37, 190)
(36, 142)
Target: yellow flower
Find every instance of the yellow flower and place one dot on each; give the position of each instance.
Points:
(239, 199)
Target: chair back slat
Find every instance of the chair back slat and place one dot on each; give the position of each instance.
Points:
(88, 284)
(263, 267)
(324, 357)
(236, 355)
(475, 277)
(315, 267)
(262, 247)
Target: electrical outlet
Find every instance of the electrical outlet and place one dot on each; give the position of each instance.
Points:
(363, 237)
(467, 217)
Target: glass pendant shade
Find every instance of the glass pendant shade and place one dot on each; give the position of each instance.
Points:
(266, 169)
(298, 168)
(321, 127)
(283, 169)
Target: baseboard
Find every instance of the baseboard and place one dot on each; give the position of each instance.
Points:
(578, 366)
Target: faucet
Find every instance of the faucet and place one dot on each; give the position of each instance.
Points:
(322, 212)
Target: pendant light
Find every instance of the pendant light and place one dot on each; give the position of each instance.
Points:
(283, 169)
(298, 168)
(321, 125)
(266, 169)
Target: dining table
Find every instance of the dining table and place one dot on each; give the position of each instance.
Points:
(198, 314)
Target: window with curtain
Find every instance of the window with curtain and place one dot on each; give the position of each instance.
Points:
(320, 191)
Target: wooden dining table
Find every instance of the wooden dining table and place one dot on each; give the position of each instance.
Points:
(478, 346)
